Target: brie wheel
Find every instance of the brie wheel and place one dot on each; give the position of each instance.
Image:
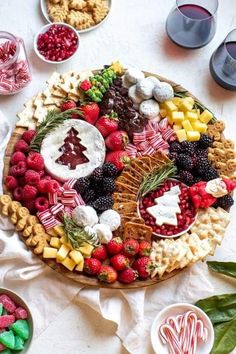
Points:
(91, 139)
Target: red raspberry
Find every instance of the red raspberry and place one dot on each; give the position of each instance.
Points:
(17, 157)
(11, 182)
(30, 204)
(17, 194)
(42, 173)
(47, 178)
(29, 192)
(42, 186)
(52, 186)
(19, 169)
(35, 161)
(28, 135)
(32, 177)
(41, 203)
(21, 181)
(22, 146)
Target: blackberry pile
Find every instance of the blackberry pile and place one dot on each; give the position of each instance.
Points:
(116, 100)
(192, 161)
(224, 202)
(96, 190)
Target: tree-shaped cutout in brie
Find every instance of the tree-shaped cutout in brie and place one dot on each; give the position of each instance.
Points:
(166, 208)
(72, 151)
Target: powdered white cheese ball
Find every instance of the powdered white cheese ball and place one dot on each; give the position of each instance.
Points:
(111, 218)
(133, 75)
(85, 215)
(104, 232)
(154, 80)
(125, 82)
(134, 96)
(163, 92)
(150, 109)
(144, 88)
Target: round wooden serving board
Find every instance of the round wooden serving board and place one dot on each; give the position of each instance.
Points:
(80, 278)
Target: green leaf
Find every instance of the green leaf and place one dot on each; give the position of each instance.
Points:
(221, 308)
(227, 268)
(225, 338)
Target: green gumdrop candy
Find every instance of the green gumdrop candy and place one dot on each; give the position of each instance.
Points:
(1, 309)
(8, 339)
(19, 343)
(21, 328)
(6, 351)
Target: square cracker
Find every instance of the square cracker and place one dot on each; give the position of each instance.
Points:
(122, 187)
(120, 197)
(137, 231)
(125, 208)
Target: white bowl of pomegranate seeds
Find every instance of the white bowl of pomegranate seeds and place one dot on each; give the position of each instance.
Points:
(183, 328)
(56, 43)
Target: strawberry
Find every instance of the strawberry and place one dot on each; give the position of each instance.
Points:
(115, 245)
(144, 248)
(118, 158)
(117, 140)
(107, 125)
(90, 112)
(107, 274)
(100, 253)
(68, 105)
(92, 266)
(119, 262)
(131, 247)
(141, 265)
(128, 276)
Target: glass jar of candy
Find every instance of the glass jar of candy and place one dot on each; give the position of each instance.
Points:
(14, 66)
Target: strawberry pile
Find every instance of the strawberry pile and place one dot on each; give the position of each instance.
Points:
(119, 260)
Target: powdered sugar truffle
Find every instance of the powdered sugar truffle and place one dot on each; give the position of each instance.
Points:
(163, 92)
(144, 88)
(150, 109)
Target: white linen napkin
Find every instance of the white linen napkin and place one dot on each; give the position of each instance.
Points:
(48, 292)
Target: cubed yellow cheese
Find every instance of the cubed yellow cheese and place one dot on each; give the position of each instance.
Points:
(186, 105)
(187, 125)
(59, 229)
(170, 121)
(69, 263)
(196, 111)
(63, 239)
(176, 101)
(177, 127)
(163, 113)
(170, 106)
(86, 249)
(200, 127)
(76, 256)
(177, 117)
(181, 135)
(206, 116)
(193, 135)
(63, 252)
(191, 116)
(49, 252)
(52, 232)
(189, 99)
(55, 242)
(80, 266)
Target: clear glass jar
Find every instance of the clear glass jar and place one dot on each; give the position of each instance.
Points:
(14, 66)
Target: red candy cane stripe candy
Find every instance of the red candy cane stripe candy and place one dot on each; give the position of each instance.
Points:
(79, 200)
(55, 209)
(163, 124)
(139, 137)
(52, 198)
(50, 223)
(168, 133)
(70, 183)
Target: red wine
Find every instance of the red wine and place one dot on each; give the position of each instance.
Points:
(191, 26)
(195, 12)
(231, 47)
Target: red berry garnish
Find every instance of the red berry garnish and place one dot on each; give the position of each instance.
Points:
(52, 186)
(32, 177)
(41, 203)
(22, 146)
(29, 192)
(100, 253)
(28, 135)
(17, 157)
(92, 266)
(11, 182)
(35, 161)
(19, 169)
(17, 194)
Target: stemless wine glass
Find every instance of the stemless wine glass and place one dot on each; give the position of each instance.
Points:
(223, 62)
(192, 23)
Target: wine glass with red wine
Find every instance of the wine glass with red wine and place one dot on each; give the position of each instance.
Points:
(192, 23)
(223, 62)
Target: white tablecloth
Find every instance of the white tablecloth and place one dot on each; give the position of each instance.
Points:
(135, 34)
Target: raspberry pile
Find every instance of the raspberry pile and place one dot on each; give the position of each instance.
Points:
(192, 161)
(96, 190)
(123, 260)
(27, 179)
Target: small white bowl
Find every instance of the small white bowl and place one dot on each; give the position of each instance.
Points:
(45, 29)
(178, 309)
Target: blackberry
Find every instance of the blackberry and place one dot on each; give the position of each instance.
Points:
(205, 141)
(97, 174)
(173, 156)
(185, 162)
(103, 203)
(175, 147)
(210, 174)
(197, 179)
(82, 185)
(186, 177)
(108, 185)
(225, 202)
(203, 165)
(202, 152)
(89, 196)
(188, 147)
(109, 170)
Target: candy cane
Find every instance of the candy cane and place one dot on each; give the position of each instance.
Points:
(169, 336)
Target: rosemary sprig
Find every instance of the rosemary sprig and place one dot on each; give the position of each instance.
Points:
(52, 120)
(157, 177)
(76, 235)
